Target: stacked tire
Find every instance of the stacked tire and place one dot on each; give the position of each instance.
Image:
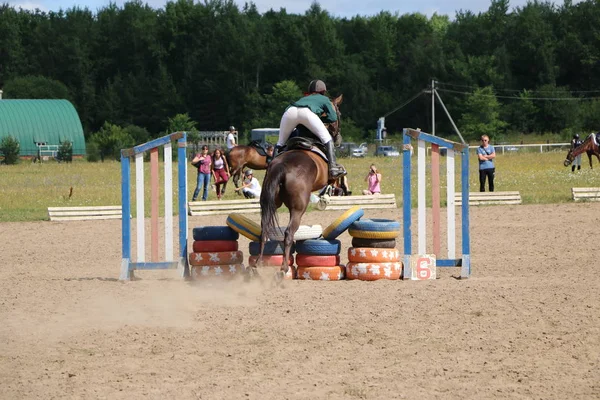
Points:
(273, 253)
(215, 253)
(319, 259)
(373, 255)
(272, 256)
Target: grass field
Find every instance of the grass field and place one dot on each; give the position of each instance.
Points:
(27, 189)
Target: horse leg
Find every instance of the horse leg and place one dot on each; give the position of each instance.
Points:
(236, 178)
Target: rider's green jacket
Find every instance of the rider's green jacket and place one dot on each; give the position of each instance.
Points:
(319, 104)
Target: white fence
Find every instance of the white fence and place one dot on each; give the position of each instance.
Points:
(542, 147)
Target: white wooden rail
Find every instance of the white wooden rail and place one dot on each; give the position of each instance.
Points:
(367, 201)
(489, 198)
(586, 193)
(217, 207)
(84, 213)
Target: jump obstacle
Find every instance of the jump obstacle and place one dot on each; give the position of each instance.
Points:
(422, 138)
(170, 262)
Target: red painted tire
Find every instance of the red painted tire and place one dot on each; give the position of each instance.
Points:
(270, 261)
(201, 246)
(372, 255)
(310, 260)
(216, 258)
(374, 271)
(321, 273)
(217, 271)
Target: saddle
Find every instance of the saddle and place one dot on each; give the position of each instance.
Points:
(306, 143)
(261, 148)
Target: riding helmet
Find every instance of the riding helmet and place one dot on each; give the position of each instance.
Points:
(576, 136)
(317, 86)
(232, 128)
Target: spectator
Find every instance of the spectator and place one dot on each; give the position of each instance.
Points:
(373, 179)
(231, 138)
(204, 161)
(486, 154)
(576, 142)
(251, 187)
(220, 170)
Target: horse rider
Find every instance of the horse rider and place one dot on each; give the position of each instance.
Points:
(576, 142)
(313, 111)
(230, 139)
(269, 150)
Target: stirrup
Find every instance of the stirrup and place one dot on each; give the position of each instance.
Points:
(337, 171)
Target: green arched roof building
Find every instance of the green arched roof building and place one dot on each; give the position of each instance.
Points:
(41, 123)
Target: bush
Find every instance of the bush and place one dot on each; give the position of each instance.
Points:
(93, 153)
(9, 147)
(65, 152)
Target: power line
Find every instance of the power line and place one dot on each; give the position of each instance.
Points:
(405, 103)
(513, 90)
(522, 98)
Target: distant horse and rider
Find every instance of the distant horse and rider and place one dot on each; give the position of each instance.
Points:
(253, 156)
(305, 166)
(589, 146)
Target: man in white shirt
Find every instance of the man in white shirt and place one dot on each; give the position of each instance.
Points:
(251, 187)
(231, 138)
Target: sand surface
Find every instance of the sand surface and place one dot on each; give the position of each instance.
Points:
(526, 325)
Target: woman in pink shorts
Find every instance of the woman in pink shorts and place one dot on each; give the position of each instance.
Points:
(374, 180)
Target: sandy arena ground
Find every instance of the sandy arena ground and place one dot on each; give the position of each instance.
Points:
(525, 326)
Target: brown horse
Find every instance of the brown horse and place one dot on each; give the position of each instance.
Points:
(290, 179)
(589, 146)
(244, 156)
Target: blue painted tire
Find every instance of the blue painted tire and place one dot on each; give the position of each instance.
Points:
(214, 233)
(319, 247)
(343, 222)
(375, 225)
(272, 248)
(244, 226)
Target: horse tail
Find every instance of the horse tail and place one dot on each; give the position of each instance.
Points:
(274, 178)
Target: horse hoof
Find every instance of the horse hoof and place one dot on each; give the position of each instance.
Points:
(279, 275)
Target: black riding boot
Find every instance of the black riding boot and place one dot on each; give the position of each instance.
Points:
(335, 170)
(578, 167)
(573, 168)
(277, 150)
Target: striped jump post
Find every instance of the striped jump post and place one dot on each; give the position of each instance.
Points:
(169, 261)
(422, 138)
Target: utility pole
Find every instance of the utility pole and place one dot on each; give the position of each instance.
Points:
(433, 107)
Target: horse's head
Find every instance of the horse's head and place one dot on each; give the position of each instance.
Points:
(569, 158)
(334, 127)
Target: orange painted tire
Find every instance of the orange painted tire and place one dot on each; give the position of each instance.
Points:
(322, 273)
(201, 246)
(310, 260)
(372, 255)
(216, 258)
(373, 271)
(270, 261)
(217, 271)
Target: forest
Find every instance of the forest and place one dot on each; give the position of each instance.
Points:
(525, 70)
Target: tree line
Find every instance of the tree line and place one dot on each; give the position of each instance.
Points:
(531, 69)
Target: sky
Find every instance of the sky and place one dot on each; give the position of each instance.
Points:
(337, 8)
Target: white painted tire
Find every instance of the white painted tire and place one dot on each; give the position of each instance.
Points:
(304, 232)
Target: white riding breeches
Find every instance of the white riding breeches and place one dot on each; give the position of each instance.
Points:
(577, 160)
(295, 116)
